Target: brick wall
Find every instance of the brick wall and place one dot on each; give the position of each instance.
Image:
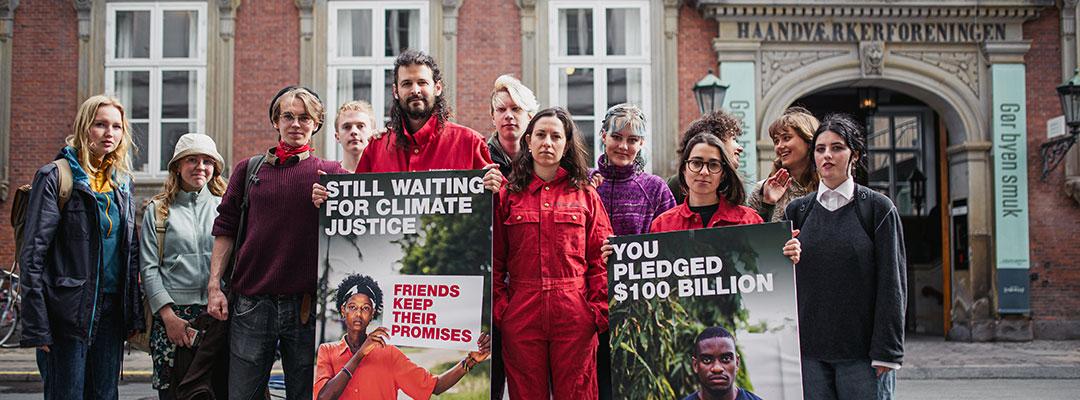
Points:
(267, 58)
(696, 58)
(489, 45)
(44, 75)
(1054, 218)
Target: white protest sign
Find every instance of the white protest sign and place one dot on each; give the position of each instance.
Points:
(435, 311)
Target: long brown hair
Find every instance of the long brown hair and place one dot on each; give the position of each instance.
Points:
(117, 162)
(803, 123)
(573, 159)
(731, 187)
(172, 186)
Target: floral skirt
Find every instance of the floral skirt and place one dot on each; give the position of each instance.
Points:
(162, 350)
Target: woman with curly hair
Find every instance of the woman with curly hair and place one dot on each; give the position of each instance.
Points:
(363, 366)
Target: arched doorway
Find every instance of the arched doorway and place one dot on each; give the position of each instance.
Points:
(904, 162)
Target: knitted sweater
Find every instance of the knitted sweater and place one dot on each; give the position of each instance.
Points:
(774, 212)
(852, 288)
(632, 198)
(279, 254)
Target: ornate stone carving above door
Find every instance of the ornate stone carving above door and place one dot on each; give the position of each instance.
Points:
(962, 64)
(778, 64)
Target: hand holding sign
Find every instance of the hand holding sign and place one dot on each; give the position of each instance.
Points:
(485, 349)
(376, 338)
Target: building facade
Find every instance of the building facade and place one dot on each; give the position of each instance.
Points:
(957, 97)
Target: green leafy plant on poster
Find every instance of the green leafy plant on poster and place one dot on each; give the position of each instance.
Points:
(452, 245)
(653, 338)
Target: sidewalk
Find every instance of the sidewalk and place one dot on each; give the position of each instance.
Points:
(933, 358)
(926, 358)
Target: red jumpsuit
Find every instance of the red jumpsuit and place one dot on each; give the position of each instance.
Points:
(550, 287)
(681, 218)
(452, 147)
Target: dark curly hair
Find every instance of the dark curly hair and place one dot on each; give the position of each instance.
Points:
(573, 160)
(398, 115)
(363, 284)
(718, 123)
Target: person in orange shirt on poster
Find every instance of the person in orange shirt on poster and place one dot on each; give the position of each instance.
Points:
(363, 366)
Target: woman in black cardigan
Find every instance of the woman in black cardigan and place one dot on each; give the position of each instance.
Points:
(851, 278)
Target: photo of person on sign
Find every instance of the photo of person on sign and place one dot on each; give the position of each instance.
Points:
(363, 366)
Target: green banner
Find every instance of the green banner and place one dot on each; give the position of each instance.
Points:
(667, 288)
(1010, 187)
(740, 102)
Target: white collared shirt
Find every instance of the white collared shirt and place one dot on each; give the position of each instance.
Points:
(833, 199)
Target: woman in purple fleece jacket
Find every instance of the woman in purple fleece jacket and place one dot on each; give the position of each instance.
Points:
(631, 196)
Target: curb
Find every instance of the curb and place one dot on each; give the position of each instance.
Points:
(34, 376)
(1022, 371)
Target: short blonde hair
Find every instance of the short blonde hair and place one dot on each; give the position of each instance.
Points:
(312, 105)
(356, 105)
(518, 92)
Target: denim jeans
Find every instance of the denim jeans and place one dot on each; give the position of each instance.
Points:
(258, 326)
(845, 380)
(81, 368)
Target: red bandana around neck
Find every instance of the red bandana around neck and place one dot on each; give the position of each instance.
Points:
(284, 151)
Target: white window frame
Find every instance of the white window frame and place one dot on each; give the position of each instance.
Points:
(156, 65)
(377, 62)
(600, 62)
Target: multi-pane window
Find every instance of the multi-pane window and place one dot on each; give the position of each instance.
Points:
(599, 57)
(155, 63)
(897, 147)
(364, 37)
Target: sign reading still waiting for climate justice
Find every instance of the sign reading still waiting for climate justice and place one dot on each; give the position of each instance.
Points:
(432, 311)
(667, 288)
(424, 238)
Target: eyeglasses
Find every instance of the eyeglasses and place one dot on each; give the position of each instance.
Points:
(288, 118)
(697, 165)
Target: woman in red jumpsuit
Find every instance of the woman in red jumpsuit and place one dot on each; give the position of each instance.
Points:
(713, 191)
(550, 283)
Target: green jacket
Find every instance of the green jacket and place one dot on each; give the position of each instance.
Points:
(180, 276)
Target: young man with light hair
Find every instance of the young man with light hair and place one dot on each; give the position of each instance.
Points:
(512, 107)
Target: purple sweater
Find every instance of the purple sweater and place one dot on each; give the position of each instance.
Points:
(632, 198)
(280, 253)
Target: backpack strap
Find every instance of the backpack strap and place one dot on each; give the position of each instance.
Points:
(250, 179)
(805, 205)
(66, 181)
(864, 205)
(160, 216)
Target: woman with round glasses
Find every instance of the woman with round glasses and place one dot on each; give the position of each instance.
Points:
(714, 192)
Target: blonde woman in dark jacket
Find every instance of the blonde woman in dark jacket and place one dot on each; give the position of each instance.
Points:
(80, 262)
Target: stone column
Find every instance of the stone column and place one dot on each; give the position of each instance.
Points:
(529, 46)
(448, 49)
(91, 16)
(7, 32)
(221, 23)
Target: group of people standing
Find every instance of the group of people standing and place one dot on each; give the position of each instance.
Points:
(245, 251)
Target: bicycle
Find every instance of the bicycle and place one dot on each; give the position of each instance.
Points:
(9, 305)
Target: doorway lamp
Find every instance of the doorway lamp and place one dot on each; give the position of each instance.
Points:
(1054, 151)
(709, 93)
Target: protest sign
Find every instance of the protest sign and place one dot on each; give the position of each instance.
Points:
(668, 288)
(425, 240)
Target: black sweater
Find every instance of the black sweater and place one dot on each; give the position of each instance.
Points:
(851, 286)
